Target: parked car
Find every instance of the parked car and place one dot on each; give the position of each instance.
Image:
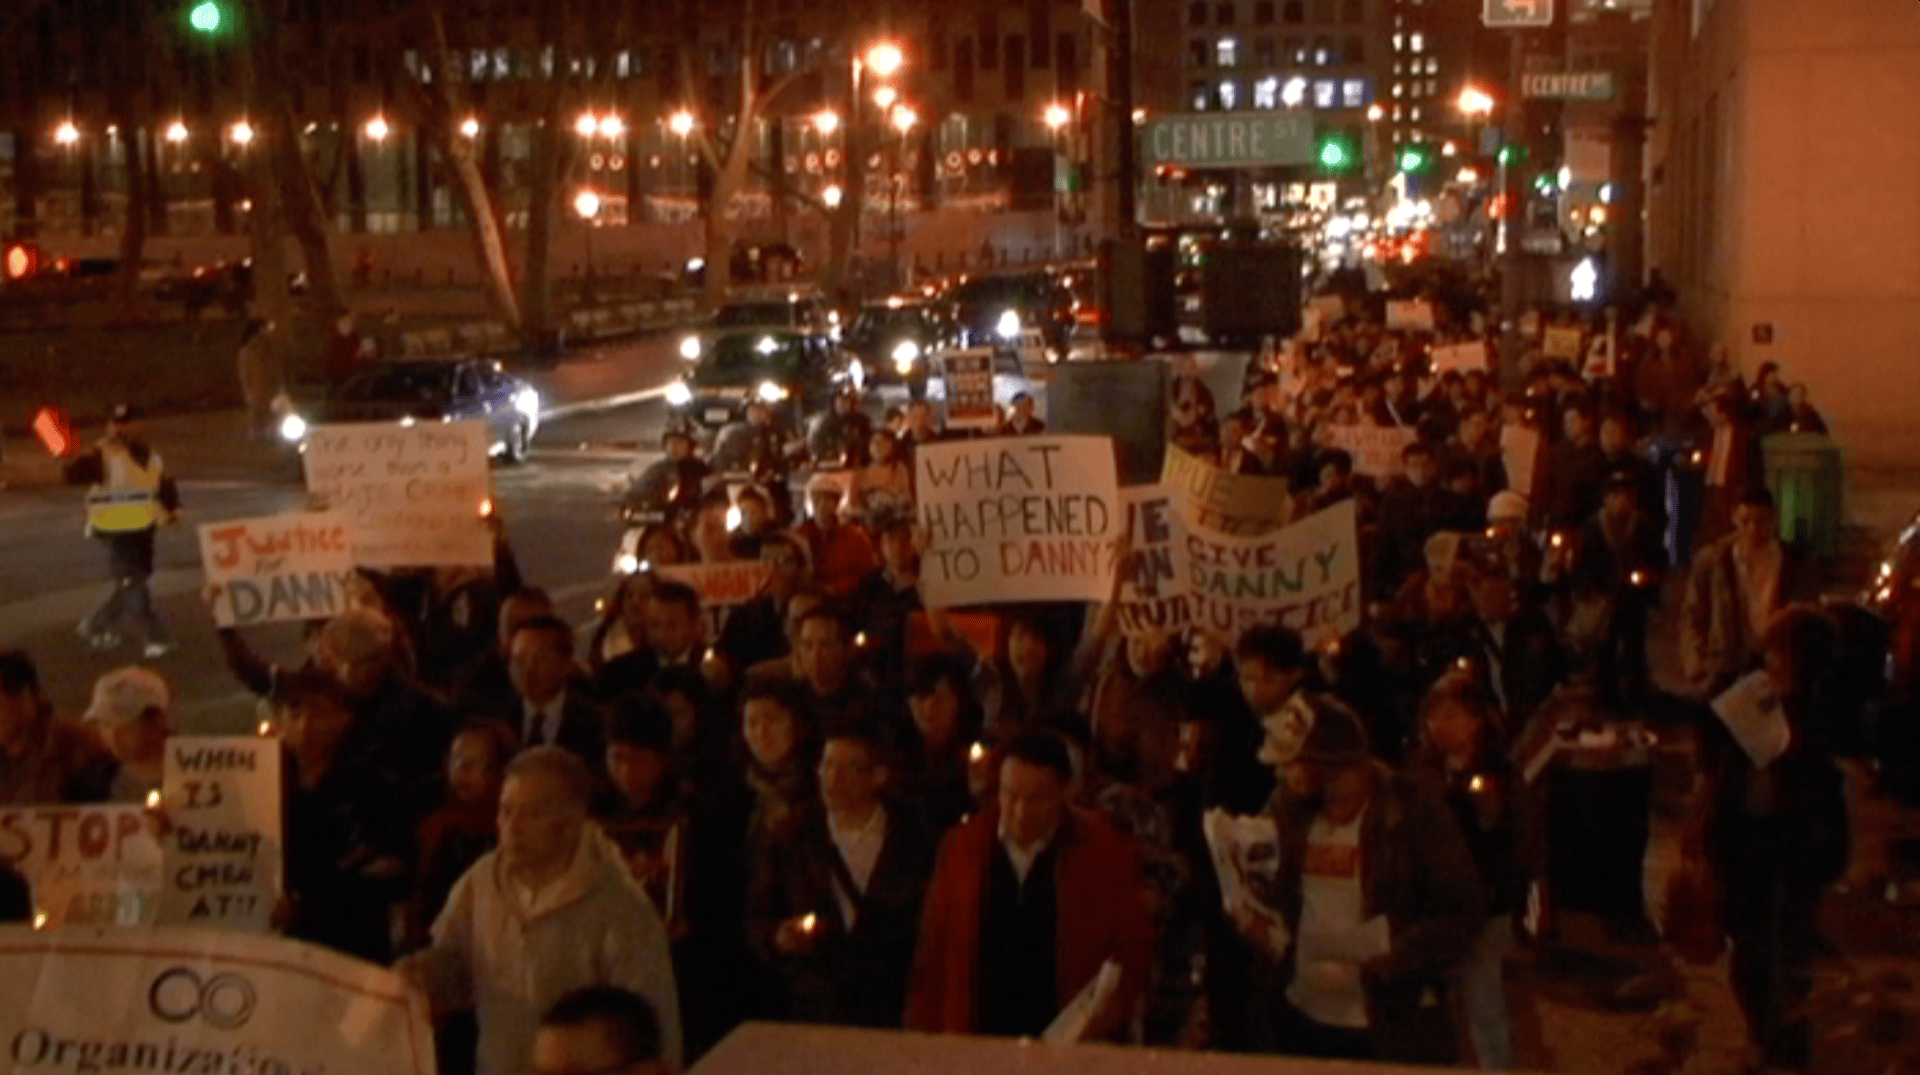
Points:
(431, 390)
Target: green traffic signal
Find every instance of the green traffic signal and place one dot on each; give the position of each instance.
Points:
(1513, 154)
(206, 17)
(1334, 154)
(1414, 159)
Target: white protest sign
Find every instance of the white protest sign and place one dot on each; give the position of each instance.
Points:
(1751, 710)
(277, 568)
(1376, 450)
(1601, 360)
(1523, 451)
(1410, 315)
(721, 586)
(1018, 519)
(1151, 598)
(1464, 357)
(1306, 577)
(225, 854)
(1224, 502)
(970, 388)
(87, 865)
(157, 1000)
(414, 496)
(1562, 343)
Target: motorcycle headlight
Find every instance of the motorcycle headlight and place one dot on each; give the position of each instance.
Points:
(1008, 326)
(690, 348)
(904, 355)
(293, 429)
(678, 394)
(770, 392)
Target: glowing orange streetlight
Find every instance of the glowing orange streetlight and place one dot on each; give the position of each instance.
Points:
(1475, 101)
(612, 126)
(1057, 116)
(241, 133)
(885, 96)
(585, 124)
(681, 123)
(66, 134)
(378, 128)
(904, 118)
(826, 121)
(885, 58)
(176, 132)
(470, 127)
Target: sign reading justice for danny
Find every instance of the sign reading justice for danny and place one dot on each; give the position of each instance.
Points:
(280, 568)
(1018, 519)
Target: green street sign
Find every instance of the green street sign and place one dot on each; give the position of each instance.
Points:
(1568, 86)
(1230, 140)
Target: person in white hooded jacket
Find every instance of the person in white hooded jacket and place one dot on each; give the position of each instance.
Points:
(553, 910)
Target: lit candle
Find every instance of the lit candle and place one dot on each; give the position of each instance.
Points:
(39, 920)
(860, 639)
(808, 922)
(1559, 540)
(266, 728)
(978, 752)
(1477, 785)
(1638, 578)
(153, 799)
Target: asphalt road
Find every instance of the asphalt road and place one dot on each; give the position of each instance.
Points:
(559, 509)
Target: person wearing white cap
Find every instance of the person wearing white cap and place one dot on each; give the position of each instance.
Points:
(133, 711)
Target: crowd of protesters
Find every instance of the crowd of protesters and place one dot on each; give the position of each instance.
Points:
(841, 808)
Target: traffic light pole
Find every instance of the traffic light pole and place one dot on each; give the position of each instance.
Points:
(1512, 225)
(1126, 145)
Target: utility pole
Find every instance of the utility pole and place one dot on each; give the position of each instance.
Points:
(1126, 147)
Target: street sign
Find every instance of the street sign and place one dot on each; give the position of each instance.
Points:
(1568, 85)
(1230, 140)
(1516, 13)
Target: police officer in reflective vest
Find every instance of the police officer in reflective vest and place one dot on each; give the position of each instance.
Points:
(129, 497)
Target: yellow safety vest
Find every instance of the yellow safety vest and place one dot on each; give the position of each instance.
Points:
(128, 501)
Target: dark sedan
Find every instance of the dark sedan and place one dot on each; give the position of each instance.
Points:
(452, 390)
(894, 341)
(793, 373)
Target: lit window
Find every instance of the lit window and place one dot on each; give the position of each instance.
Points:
(1294, 92)
(1419, 42)
(623, 64)
(1399, 42)
(1227, 52)
(1398, 89)
(1324, 93)
(1266, 93)
(1433, 65)
(1353, 93)
(1416, 113)
(1398, 115)
(1201, 97)
(1321, 56)
(1397, 69)
(1229, 96)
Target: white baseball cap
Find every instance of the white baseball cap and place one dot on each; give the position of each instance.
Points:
(125, 694)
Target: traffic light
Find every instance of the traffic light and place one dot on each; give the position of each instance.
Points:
(1415, 159)
(1512, 154)
(207, 17)
(1336, 153)
(20, 261)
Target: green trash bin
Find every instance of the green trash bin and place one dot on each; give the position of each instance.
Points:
(1805, 474)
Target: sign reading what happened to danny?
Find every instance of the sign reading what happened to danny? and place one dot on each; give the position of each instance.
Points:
(1306, 577)
(1018, 519)
(277, 569)
(224, 851)
(167, 999)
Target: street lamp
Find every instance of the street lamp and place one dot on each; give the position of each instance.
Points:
(241, 133)
(903, 120)
(1475, 102)
(176, 132)
(1056, 117)
(1375, 114)
(585, 124)
(885, 58)
(681, 123)
(470, 127)
(612, 126)
(885, 96)
(826, 121)
(378, 129)
(587, 205)
(66, 134)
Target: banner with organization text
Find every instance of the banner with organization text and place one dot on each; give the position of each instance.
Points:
(278, 568)
(1018, 519)
(170, 999)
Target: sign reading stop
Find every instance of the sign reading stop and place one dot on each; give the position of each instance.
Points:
(1229, 140)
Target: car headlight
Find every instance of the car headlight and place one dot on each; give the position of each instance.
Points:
(678, 394)
(527, 402)
(293, 429)
(690, 348)
(407, 420)
(1008, 326)
(904, 355)
(770, 392)
(626, 564)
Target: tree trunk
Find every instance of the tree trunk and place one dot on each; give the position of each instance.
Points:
(26, 184)
(301, 205)
(133, 237)
(536, 298)
(265, 233)
(489, 240)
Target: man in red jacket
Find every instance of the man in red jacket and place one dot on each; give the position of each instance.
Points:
(1028, 900)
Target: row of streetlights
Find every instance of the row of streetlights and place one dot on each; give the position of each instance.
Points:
(379, 128)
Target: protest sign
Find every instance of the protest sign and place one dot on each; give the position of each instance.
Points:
(1751, 710)
(1306, 577)
(203, 1001)
(1562, 343)
(225, 852)
(277, 568)
(412, 496)
(721, 586)
(1151, 598)
(1410, 315)
(1018, 519)
(1213, 499)
(970, 388)
(1376, 450)
(87, 865)
(1123, 400)
(1523, 451)
(1464, 357)
(1600, 357)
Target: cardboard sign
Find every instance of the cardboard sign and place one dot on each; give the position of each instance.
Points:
(413, 496)
(1018, 519)
(87, 865)
(721, 587)
(225, 853)
(1464, 357)
(1410, 315)
(1601, 361)
(970, 388)
(1306, 577)
(199, 1000)
(1151, 598)
(277, 569)
(1376, 451)
(1215, 500)
(1524, 452)
(1563, 343)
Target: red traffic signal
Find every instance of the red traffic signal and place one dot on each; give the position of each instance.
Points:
(20, 261)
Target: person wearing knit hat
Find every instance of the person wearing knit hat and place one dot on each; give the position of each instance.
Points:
(133, 711)
(1381, 903)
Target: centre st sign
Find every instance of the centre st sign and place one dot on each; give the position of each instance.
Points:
(1568, 86)
(1501, 14)
(1230, 140)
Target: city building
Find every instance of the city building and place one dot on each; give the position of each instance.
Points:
(1781, 208)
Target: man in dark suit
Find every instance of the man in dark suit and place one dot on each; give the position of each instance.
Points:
(836, 901)
(1619, 556)
(549, 709)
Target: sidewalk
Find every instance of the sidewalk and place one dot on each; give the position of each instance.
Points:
(214, 445)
